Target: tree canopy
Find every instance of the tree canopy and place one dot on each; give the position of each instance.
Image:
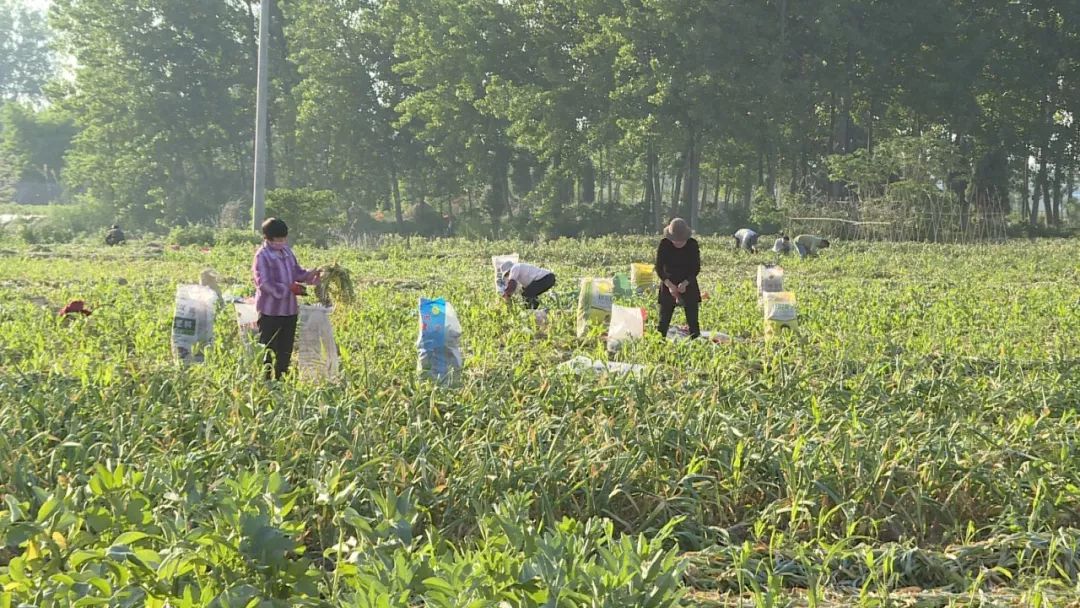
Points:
(568, 117)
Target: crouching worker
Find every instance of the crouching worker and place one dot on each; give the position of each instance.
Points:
(747, 239)
(533, 281)
(114, 236)
(678, 262)
(75, 309)
(278, 280)
(783, 245)
(809, 245)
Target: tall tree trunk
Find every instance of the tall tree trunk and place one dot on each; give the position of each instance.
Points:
(395, 188)
(676, 189)
(609, 175)
(658, 189)
(600, 176)
(650, 187)
(588, 182)
(748, 188)
(1025, 192)
(1070, 187)
(770, 168)
(1058, 179)
(498, 197)
(704, 204)
(693, 171)
(1042, 188)
(716, 187)
(1056, 193)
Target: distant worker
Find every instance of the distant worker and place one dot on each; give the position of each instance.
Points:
(678, 263)
(746, 239)
(783, 245)
(74, 309)
(114, 236)
(532, 280)
(809, 245)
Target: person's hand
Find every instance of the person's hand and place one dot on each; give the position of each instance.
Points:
(683, 286)
(297, 289)
(674, 291)
(316, 277)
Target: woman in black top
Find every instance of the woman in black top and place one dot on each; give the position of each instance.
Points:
(678, 262)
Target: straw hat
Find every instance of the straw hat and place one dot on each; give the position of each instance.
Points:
(677, 230)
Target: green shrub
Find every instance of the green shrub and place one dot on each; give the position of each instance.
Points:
(237, 236)
(312, 215)
(185, 236)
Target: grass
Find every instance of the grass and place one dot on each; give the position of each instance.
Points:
(913, 443)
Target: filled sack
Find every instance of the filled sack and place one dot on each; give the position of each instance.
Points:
(594, 304)
(193, 322)
(317, 355)
(626, 324)
(439, 343)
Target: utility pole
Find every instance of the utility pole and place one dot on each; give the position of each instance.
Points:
(258, 211)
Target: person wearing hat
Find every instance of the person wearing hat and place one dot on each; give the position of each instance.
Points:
(678, 262)
(809, 245)
(114, 236)
(746, 239)
(278, 277)
(533, 281)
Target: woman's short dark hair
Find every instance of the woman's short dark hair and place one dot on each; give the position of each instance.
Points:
(273, 228)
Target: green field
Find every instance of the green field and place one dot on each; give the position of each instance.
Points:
(915, 442)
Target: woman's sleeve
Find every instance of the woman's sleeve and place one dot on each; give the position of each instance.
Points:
(302, 275)
(696, 268)
(661, 260)
(265, 280)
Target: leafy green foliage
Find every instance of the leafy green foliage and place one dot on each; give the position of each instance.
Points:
(312, 215)
(916, 430)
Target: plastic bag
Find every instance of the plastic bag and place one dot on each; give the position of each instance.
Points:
(594, 304)
(497, 261)
(623, 287)
(247, 321)
(581, 363)
(193, 322)
(439, 343)
(317, 353)
(642, 277)
(682, 332)
(770, 278)
(626, 324)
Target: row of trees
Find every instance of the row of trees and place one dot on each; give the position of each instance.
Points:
(566, 116)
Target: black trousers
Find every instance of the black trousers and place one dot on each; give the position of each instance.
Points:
(277, 334)
(691, 301)
(537, 287)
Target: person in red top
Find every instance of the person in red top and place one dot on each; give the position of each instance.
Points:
(74, 308)
(278, 280)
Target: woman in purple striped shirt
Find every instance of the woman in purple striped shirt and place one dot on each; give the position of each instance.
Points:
(278, 278)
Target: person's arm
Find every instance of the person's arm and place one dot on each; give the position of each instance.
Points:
(511, 287)
(661, 267)
(311, 277)
(695, 266)
(266, 281)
